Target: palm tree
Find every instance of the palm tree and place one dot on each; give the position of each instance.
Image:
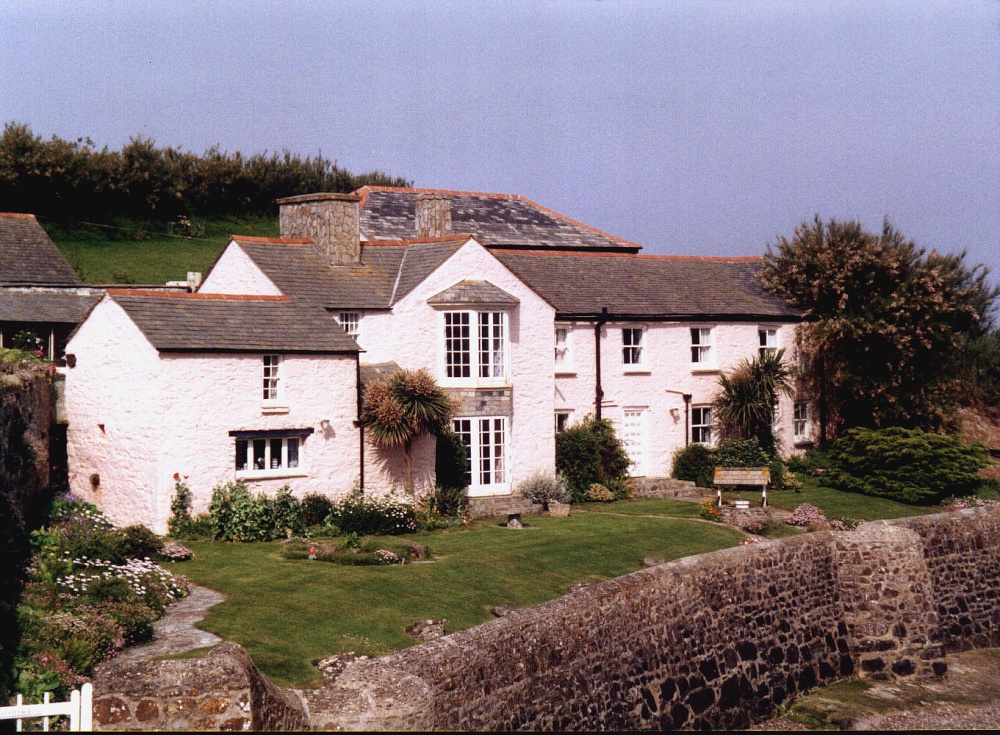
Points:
(744, 409)
(398, 410)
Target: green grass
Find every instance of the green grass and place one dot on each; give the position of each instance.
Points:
(145, 252)
(290, 613)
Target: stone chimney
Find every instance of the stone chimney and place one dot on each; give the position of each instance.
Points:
(332, 221)
(433, 215)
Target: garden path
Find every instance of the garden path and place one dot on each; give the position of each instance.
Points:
(175, 631)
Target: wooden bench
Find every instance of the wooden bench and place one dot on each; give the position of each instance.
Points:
(733, 476)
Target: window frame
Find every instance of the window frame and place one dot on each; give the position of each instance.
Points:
(564, 361)
(702, 428)
(803, 421)
(288, 442)
(562, 419)
(271, 377)
(702, 352)
(633, 353)
(350, 322)
(472, 351)
(765, 345)
(485, 462)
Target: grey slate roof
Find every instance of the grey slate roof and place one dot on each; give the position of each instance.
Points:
(647, 286)
(183, 322)
(473, 292)
(29, 257)
(377, 372)
(50, 305)
(388, 271)
(495, 220)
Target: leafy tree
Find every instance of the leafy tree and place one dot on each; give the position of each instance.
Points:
(884, 321)
(744, 408)
(398, 410)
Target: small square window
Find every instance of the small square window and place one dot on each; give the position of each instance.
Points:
(350, 321)
(632, 347)
(562, 420)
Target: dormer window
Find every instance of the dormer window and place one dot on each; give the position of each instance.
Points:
(350, 321)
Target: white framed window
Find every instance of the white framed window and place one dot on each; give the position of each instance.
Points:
(485, 439)
(633, 350)
(563, 353)
(701, 424)
(800, 421)
(267, 454)
(701, 347)
(476, 347)
(350, 321)
(271, 378)
(562, 420)
(767, 338)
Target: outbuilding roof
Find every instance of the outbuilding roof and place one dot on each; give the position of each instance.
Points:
(195, 322)
(28, 257)
(495, 220)
(647, 286)
(48, 305)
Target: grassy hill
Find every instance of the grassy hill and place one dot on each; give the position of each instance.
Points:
(141, 252)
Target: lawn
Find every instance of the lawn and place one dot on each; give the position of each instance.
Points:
(145, 252)
(291, 613)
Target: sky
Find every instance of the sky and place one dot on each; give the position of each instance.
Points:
(690, 127)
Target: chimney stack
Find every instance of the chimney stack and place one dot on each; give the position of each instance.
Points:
(332, 221)
(433, 216)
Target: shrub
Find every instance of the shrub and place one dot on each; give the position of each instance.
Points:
(755, 524)
(451, 461)
(287, 516)
(383, 515)
(544, 488)
(806, 515)
(908, 465)
(444, 507)
(138, 542)
(742, 453)
(597, 493)
(696, 463)
(180, 522)
(315, 509)
(135, 620)
(708, 510)
(590, 453)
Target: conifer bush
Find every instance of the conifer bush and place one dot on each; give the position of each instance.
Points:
(590, 453)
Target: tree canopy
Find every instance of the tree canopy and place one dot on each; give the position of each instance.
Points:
(885, 321)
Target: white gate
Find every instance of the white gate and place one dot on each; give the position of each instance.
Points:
(79, 709)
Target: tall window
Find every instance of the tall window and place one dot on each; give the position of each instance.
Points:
(564, 360)
(267, 454)
(800, 421)
(486, 442)
(350, 321)
(484, 361)
(701, 345)
(632, 346)
(272, 375)
(701, 424)
(768, 339)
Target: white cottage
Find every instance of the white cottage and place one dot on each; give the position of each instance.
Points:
(210, 388)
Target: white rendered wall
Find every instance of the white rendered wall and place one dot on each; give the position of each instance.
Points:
(658, 385)
(236, 273)
(207, 396)
(115, 384)
(385, 469)
(412, 335)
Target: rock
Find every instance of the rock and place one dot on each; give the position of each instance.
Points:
(503, 610)
(427, 630)
(653, 561)
(334, 666)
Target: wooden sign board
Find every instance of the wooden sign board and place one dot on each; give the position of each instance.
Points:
(742, 476)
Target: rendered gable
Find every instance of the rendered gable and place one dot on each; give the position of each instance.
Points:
(236, 273)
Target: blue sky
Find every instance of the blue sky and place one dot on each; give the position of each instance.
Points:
(691, 127)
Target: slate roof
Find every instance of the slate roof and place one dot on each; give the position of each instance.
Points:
(377, 372)
(193, 322)
(51, 305)
(495, 220)
(473, 292)
(647, 286)
(29, 257)
(388, 271)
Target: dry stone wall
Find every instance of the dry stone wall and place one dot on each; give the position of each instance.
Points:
(714, 641)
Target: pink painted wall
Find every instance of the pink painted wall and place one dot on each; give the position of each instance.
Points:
(236, 273)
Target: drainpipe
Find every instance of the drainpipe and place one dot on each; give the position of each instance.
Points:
(598, 391)
(361, 427)
(687, 413)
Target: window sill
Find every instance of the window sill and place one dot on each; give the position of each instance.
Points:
(636, 370)
(271, 474)
(268, 408)
(565, 372)
(804, 443)
(474, 384)
(704, 370)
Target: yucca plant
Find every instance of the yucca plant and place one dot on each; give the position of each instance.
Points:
(398, 410)
(745, 406)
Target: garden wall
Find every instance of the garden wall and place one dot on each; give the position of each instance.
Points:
(713, 641)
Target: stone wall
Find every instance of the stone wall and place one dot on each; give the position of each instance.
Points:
(331, 221)
(713, 641)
